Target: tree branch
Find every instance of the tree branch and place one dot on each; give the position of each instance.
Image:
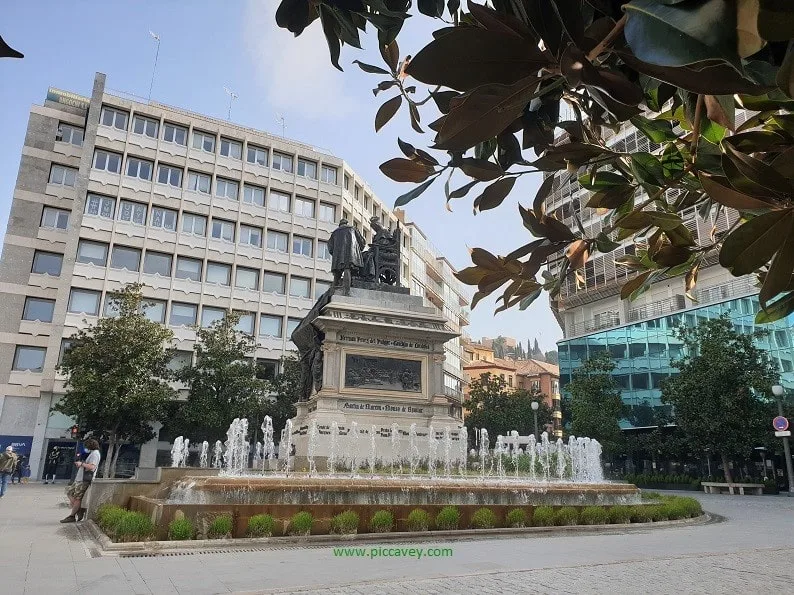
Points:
(611, 36)
(696, 125)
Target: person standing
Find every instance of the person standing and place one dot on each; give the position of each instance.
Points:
(18, 470)
(8, 462)
(82, 481)
(51, 466)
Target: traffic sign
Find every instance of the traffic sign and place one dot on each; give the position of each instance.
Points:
(785, 434)
(780, 423)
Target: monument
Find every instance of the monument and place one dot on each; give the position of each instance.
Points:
(371, 354)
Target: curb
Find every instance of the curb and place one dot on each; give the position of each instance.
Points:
(110, 548)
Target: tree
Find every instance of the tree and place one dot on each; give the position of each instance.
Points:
(536, 352)
(499, 409)
(499, 347)
(116, 375)
(493, 72)
(552, 357)
(719, 396)
(222, 384)
(284, 392)
(595, 404)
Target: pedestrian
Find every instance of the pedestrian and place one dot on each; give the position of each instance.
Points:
(8, 461)
(51, 466)
(18, 470)
(82, 481)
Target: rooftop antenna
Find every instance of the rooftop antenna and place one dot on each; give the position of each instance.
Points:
(232, 96)
(280, 118)
(156, 55)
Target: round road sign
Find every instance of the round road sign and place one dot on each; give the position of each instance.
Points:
(780, 423)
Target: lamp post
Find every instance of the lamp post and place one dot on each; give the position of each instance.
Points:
(777, 390)
(535, 406)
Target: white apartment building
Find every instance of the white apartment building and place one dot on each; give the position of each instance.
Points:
(206, 214)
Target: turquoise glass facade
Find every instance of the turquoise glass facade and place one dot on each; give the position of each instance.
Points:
(642, 351)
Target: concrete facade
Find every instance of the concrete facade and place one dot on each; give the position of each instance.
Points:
(206, 214)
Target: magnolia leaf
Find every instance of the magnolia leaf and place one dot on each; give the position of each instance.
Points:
(602, 180)
(480, 169)
(405, 170)
(370, 68)
(785, 75)
(664, 221)
(635, 220)
(387, 111)
(752, 244)
(780, 270)
(463, 190)
(777, 310)
(329, 30)
(758, 173)
(409, 196)
(391, 55)
(431, 8)
(577, 253)
(658, 131)
(539, 204)
(604, 244)
(612, 197)
(633, 284)
(648, 169)
(526, 301)
(407, 148)
(719, 191)
(630, 261)
(721, 109)
(776, 20)
(471, 275)
(670, 256)
(494, 194)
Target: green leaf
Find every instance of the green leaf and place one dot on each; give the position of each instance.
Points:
(407, 148)
(604, 244)
(658, 131)
(611, 198)
(780, 270)
(648, 169)
(664, 221)
(682, 34)
(719, 191)
(712, 131)
(672, 161)
(777, 310)
(331, 38)
(431, 8)
(391, 55)
(526, 302)
(405, 170)
(601, 180)
(753, 175)
(494, 194)
(480, 169)
(785, 76)
(635, 220)
(753, 244)
(539, 204)
(370, 68)
(463, 190)
(387, 111)
(409, 196)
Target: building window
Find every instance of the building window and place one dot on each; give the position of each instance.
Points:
(168, 174)
(100, 206)
(292, 324)
(62, 176)
(320, 287)
(277, 241)
(322, 250)
(329, 174)
(210, 316)
(347, 182)
(254, 195)
(175, 134)
(144, 126)
(270, 326)
(327, 212)
(226, 188)
(204, 141)
(194, 224)
(163, 218)
(246, 323)
(54, 218)
(132, 212)
(257, 155)
(124, 257)
(38, 309)
(366, 203)
(29, 358)
(307, 169)
(300, 287)
(157, 263)
(180, 360)
(92, 252)
(113, 117)
(358, 193)
(251, 235)
(282, 162)
(218, 273)
(197, 182)
(231, 148)
(278, 201)
(84, 301)
(47, 263)
(139, 168)
(154, 310)
(266, 369)
(70, 134)
(66, 346)
(223, 230)
(246, 278)
(304, 207)
(188, 268)
(510, 380)
(107, 161)
(274, 283)
(302, 246)
(182, 314)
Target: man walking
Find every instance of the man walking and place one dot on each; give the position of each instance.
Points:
(8, 462)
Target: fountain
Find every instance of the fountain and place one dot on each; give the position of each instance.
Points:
(312, 447)
(267, 438)
(287, 441)
(217, 455)
(395, 449)
(203, 455)
(178, 452)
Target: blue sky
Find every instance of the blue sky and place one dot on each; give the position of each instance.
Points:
(209, 44)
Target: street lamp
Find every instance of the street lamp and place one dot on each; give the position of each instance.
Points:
(777, 390)
(535, 406)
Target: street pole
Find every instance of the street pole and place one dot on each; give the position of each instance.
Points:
(786, 452)
(535, 413)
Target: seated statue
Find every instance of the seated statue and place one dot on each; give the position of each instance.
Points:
(382, 260)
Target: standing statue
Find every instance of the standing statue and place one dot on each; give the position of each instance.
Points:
(345, 246)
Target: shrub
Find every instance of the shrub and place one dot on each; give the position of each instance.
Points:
(180, 529)
(381, 522)
(543, 516)
(134, 526)
(448, 518)
(658, 512)
(650, 495)
(691, 506)
(567, 515)
(301, 523)
(594, 515)
(418, 520)
(108, 517)
(345, 523)
(619, 515)
(483, 518)
(516, 518)
(220, 527)
(640, 514)
(676, 510)
(260, 525)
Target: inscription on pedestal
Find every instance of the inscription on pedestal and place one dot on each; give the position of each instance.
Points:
(383, 373)
(370, 407)
(378, 342)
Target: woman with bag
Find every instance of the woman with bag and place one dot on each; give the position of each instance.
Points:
(85, 475)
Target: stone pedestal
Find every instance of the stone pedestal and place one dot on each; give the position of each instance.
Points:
(383, 355)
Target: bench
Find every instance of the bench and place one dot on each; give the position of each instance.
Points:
(730, 488)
